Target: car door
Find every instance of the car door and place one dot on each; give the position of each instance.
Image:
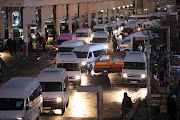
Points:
(117, 63)
(102, 62)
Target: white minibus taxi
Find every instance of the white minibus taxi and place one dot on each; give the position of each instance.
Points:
(87, 54)
(68, 46)
(69, 61)
(84, 34)
(135, 68)
(101, 37)
(55, 88)
(21, 99)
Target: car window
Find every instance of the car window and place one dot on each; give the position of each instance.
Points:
(117, 58)
(90, 55)
(126, 42)
(104, 58)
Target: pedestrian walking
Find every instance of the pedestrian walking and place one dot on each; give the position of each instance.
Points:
(14, 45)
(9, 45)
(43, 43)
(126, 106)
(114, 40)
(172, 107)
(24, 49)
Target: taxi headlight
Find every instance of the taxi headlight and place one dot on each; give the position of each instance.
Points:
(59, 99)
(83, 63)
(87, 41)
(124, 75)
(78, 77)
(56, 49)
(20, 118)
(122, 28)
(143, 76)
(106, 46)
(92, 35)
(33, 36)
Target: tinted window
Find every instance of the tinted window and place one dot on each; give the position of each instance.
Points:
(90, 55)
(134, 65)
(99, 40)
(104, 58)
(95, 30)
(81, 54)
(69, 66)
(99, 52)
(51, 86)
(117, 58)
(11, 104)
(59, 41)
(81, 34)
(65, 49)
(126, 42)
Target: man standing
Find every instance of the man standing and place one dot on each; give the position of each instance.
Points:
(126, 106)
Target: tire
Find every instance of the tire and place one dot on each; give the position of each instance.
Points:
(105, 72)
(126, 50)
(63, 110)
(67, 104)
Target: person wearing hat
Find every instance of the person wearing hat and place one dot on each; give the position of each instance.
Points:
(172, 108)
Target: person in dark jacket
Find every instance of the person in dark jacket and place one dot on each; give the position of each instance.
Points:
(126, 106)
(9, 44)
(114, 43)
(172, 107)
(14, 45)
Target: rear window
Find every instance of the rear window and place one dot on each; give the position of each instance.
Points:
(118, 58)
(51, 86)
(60, 41)
(81, 34)
(65, 49)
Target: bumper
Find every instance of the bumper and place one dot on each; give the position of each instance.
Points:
(52, 105)
(133, 81)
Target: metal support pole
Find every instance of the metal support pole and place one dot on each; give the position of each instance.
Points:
(148, 79)
(99, 91)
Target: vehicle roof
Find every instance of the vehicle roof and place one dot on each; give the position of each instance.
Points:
(135, 56)
(89, 47)
(66, 36)
(141, 34)
(71, 43)
(66, 57)
(100, 34)
(115, 53)
(99, 26)
(109, 25)
(18, 87)
(52, 75)
(83, 30)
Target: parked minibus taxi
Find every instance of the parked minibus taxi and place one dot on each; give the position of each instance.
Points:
(21, 99)
(64, 37)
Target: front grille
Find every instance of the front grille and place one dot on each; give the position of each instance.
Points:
(72, 77)
(136, 76)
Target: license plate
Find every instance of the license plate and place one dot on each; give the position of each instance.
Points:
(47, 108)
(133, 82)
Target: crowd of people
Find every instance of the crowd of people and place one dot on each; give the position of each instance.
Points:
(17, 45)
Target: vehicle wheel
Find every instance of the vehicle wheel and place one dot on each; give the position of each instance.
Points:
(126, 50)
(63, 110)
(67, 103)
(105, 71)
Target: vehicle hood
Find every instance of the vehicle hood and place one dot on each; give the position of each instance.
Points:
(73, 73)
(52, 95)
(134, 72)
